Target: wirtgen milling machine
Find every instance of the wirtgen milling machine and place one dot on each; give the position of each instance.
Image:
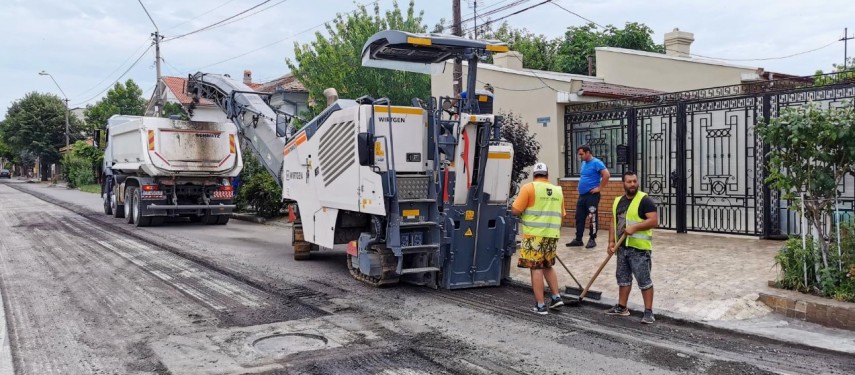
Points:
(419, 194)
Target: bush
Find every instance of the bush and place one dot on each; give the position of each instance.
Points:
(526, 147)
(837, 280)
(79, 164)
(258, 190)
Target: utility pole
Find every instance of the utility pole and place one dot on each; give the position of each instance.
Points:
(846, 38)
(65, 99)
(457, 75)
(158, 86)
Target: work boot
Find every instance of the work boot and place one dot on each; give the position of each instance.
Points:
(556, 302)
(591, 244)
(618, 311)
(648, 317)
(540, 310)
(574, 243)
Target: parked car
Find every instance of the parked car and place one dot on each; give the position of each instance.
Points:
(4, 173)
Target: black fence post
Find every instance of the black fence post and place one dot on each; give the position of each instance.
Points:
(768, 222)
(632, 142)
(682, 128)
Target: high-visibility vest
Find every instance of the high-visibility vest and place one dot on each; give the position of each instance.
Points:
(543, 219)
(642, 240)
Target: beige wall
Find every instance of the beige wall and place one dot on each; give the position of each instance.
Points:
(664, 73)
(536, 101)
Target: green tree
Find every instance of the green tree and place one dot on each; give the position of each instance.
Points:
(569, 53)
(122, 99)
(170, 109)
(79, 164)
(35, 125)
(335, 60)
(813, 151)
(526, 147)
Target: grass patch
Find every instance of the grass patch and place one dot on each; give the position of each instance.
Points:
(91, 188)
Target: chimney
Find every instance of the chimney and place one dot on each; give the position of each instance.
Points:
(511, 60)
(247, 77)
(677, 43)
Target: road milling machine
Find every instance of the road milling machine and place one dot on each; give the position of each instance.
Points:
(417, 193)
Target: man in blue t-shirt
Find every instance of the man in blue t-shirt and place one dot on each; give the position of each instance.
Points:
(593, 179)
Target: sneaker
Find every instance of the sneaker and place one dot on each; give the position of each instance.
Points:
(574, 243)
(617, 310)
(648, 317)
(556, 302)
(540, 310)
(591, 244)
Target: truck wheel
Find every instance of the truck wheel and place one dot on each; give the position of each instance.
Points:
(118, 209)
(129, 204)
(223, 219)
(108, 205)
(209, 219)
(139, 219)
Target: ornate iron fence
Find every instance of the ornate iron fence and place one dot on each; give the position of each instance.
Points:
(697, 153)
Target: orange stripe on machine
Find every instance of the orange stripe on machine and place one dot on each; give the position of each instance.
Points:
(291, 146)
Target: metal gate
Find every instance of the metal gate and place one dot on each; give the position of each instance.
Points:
(697, 154)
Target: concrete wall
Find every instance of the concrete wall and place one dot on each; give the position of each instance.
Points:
(532, 100)
(212, 114)
(664, 73)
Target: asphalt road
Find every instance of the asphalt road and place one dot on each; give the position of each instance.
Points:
(84, 293)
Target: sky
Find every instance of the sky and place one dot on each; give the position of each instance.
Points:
(87, 45)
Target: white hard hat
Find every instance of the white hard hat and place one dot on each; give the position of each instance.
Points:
(540, 168)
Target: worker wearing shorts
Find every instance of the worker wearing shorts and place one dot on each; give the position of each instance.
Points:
(634, 213)
(540, 206)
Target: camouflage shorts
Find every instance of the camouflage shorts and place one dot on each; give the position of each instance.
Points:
(537, 252)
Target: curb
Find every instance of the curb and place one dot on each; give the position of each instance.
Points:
(809, 308)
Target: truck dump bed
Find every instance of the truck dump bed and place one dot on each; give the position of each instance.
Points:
(165, 147)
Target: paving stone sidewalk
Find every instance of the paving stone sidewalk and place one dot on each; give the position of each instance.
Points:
(697, 276)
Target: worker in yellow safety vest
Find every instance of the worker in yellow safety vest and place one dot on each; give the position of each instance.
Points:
(540, 206)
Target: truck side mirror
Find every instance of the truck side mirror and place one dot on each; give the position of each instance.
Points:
(365, 149)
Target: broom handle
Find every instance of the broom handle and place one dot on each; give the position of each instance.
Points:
(602, 265)
(568, 271)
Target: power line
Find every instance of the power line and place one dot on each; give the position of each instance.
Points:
(197, 17)
(471, 15)
(246, 16)
(578, 15)
(276, 42)
(219, 22)
(117, 79)
(763, 58)
(146, 42)
(149, 15)
(490, 12)
(511, 14)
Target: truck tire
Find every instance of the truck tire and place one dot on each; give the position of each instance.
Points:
(129, 204)
(139, 219)
(223, 219)
(118, 209)
(108, 206)
(209, 219)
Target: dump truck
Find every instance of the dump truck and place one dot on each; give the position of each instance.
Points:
(155, 168)
(419, 193)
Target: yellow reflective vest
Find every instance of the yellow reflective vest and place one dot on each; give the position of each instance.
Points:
(543, 219)
(642, 240)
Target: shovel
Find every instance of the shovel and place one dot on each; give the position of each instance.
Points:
(609, 257)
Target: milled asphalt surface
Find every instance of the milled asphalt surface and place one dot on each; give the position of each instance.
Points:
(87, 293)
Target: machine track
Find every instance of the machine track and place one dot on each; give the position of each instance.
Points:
(389, 275)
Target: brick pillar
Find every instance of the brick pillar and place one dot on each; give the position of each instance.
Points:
(607, 198)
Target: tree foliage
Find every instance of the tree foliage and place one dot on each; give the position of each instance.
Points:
(170, 109)
(257, 190)
(526, 147)
(79, 164)
(335, 60)
(813, 151)
(122, 99)
(569, 53)
(35, 125)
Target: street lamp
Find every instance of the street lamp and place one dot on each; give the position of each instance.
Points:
(44, 73)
